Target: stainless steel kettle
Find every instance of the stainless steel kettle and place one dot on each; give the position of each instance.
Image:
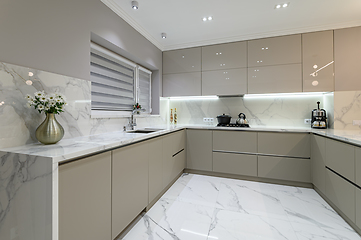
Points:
(242, 119)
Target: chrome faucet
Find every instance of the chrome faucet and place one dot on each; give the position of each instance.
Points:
(132, 123)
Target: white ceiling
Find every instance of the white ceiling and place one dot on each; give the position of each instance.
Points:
(233, 20)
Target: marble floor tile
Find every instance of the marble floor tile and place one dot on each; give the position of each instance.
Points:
(209, 208)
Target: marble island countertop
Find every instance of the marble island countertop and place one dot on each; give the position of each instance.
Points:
(72, 148)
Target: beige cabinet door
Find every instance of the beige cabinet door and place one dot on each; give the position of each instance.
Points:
(155, 167)
(182, 84)
(347, 59)
(182, 61)
(358, 165)
(317, 59)
(358, 207)
(235, 141)
(318, 158)
(274, 51)
(240, 164)
(340, 157)
(290, 169)
(179, 141)
(224, 56)
(129, 184)
(85, 198)
(275, 79)
(224, 82)
(341, 193)
(284, 144)
(199, 150)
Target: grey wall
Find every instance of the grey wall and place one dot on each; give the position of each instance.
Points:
(54, 36)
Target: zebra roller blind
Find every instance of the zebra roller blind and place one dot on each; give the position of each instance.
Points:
(144, 93)
(112, 80)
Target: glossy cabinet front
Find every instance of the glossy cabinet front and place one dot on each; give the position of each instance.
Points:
(275, 79)
(224, 82)
(274, 51)
(318, 64)
(199, 150)
(182, 84)
(224, 56)
(358, 165)
(348, 59)
(182, 61)
(358, 207)
(318, 161)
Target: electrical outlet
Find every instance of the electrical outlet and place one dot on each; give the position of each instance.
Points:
(307, 121)
(356, 122)
(208, 120)
(211, 120)
(205, 119)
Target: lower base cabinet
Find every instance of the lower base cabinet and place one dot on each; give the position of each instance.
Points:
(283, 168)
(155, 168)
(341, 193)
(241, 164)
(85, 198)
(358, 207)
(199, 150)
(318, 158)
(129, 185)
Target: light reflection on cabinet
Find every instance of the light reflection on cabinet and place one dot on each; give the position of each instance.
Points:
(182, 61)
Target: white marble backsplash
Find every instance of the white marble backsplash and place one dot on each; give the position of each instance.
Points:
(18, 123)
(347, 109)
(269, 111)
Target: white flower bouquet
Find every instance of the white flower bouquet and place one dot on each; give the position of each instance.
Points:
(52, 103)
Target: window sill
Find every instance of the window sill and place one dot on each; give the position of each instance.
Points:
(118, 114)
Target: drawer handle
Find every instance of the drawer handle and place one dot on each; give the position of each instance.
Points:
(178, 152)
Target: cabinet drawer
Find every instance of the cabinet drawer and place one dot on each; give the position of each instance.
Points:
(340, 157)
(224, 82)
(179, 141)
(199, 150)
(291, 169)
(284, 144)
(182, 61)
(317, 48)
(241, 164)
(224, 56)
(274, 51)
(358, 207)
(275, 79)
(182, 84)
(341, 193)
(235, 141)
(358, 165)
(180, 162)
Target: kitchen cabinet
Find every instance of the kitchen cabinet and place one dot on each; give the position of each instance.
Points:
(240, 164)
(275, 79)
(235, 141)
(182, 84)
(283, 168)
(274, 51)
(182, 61)
(341, 193)
(85, 198)
(358, 207)
(284, 144)
(224, 82)
(340, 157)
(155, 170)
(224, 56)
(174, 157)
(129, 184)
(347, 59)
(317, 59)
(199, 150)
(358, 165)
(318, 164)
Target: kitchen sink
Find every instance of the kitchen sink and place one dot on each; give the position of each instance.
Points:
(145, 130)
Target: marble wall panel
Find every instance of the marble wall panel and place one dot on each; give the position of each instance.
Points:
(347, 109)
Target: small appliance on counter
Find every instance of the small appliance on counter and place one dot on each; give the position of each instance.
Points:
(225, 121)
(319, 118)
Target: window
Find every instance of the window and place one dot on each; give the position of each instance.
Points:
(117, 83)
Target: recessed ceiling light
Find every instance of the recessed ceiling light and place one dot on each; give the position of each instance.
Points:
(135, 5)
(210, 18)
(278, 6)
(164, 35)
(282, 5)
(204, 19)
(285, 5)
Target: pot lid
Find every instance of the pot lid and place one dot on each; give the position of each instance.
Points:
(223, 116)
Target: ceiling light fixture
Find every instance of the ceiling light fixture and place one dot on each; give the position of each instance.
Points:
(135, 5)
(210, 18)
(282, 5)
(164, 35)
(204, 19)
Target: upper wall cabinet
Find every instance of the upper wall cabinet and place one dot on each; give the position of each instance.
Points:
(182, 61)
(182, 84)
(224, 56)
(317, 58)
(348, 59)
(274, 51)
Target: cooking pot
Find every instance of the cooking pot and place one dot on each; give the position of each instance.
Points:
(224, 119)
(242, 119)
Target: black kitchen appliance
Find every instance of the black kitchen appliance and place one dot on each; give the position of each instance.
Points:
(318, 118)
(224, 121)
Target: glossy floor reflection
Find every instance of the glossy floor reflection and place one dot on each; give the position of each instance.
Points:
(200, 207)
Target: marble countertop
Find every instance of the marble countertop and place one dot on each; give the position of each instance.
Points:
(72, 148)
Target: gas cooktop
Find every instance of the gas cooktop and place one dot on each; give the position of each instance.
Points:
(232, 125)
